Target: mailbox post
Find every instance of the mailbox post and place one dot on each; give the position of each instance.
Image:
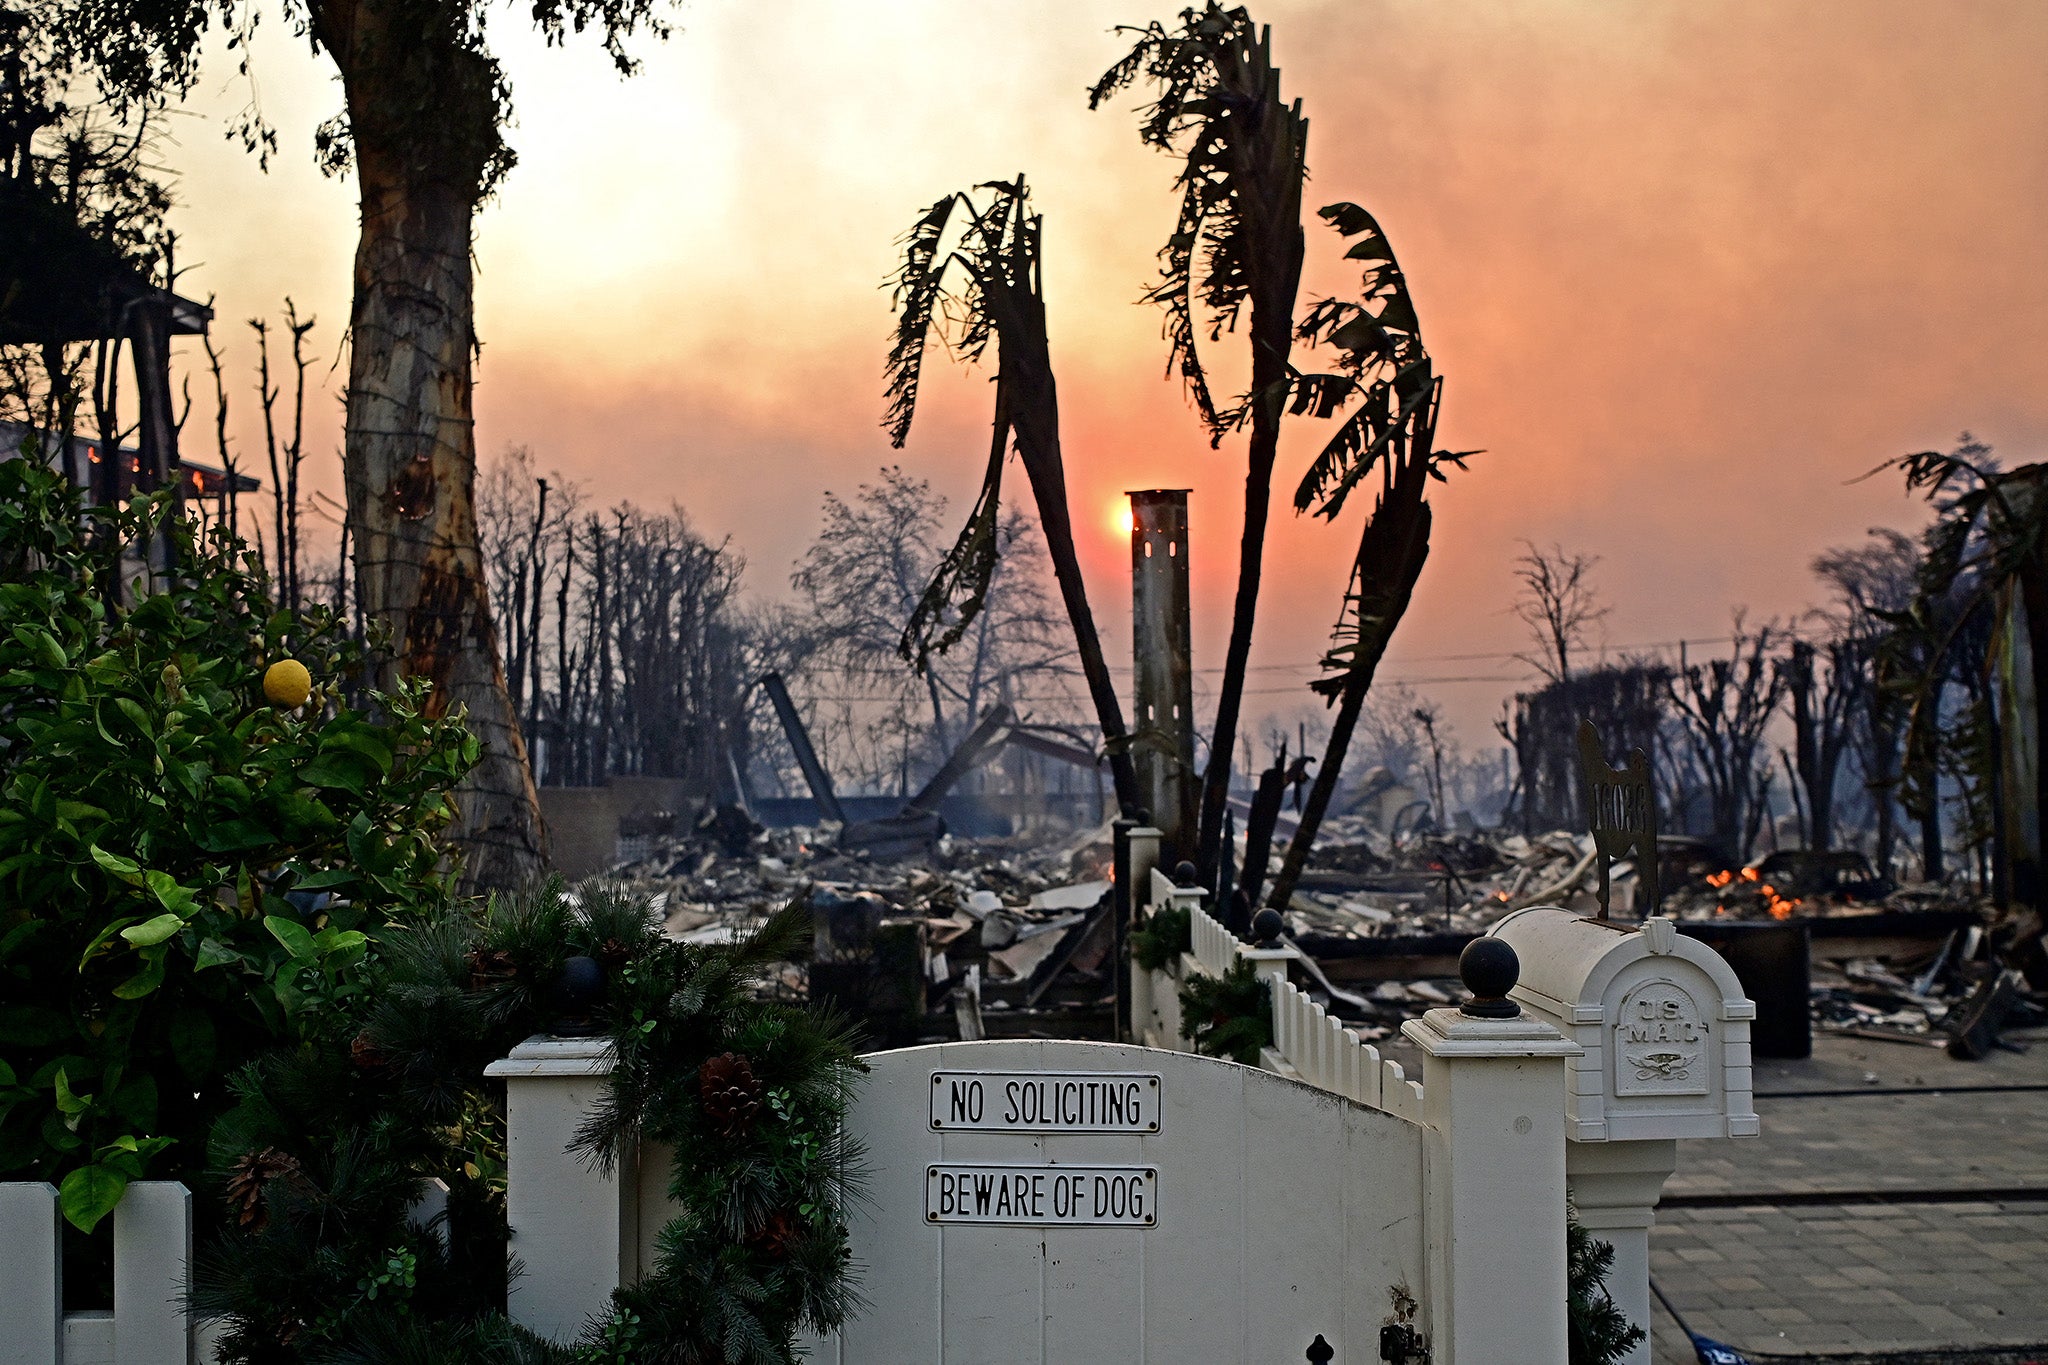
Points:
(1663, 1031)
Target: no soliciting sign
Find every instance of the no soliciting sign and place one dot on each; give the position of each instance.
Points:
(1045, 1101)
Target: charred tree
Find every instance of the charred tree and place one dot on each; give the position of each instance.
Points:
(1238, 242)
(1725, 706)
(1002, 305)
(1558, 604)
(1391, 554)
(1824, 687)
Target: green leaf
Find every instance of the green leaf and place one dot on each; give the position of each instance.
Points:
(145, 981)
(103, 938)
(361, 738)
(229, 836)
(127, 870)
(138, 717)
(89, 1194)
(49, 653)
(151, 932)
(293, 935)
(342, 772)
(213, 953)
(67, 1102)
(339, 940)
(169, 894)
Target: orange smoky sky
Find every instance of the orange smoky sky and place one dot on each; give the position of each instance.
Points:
(1688, 269)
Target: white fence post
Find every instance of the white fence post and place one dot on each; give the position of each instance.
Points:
(575, 1230)
(1143, 843)
(1615, 1187)
(1493, 1158)
(152, 1255)
(31, 1271)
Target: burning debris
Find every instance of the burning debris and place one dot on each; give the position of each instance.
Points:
(966, 938)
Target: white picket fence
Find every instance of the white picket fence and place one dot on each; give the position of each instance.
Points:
(1329, 1056)
(148, 1324)
(152, 1254)
(1309, 1043)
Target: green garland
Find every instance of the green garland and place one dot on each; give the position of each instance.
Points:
(1229, 1015)
(1158, 942)
(753, 1096)
(318, 1260)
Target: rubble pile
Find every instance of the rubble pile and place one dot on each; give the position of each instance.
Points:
(1013, 937)
(1955, 996)
(1017, 927)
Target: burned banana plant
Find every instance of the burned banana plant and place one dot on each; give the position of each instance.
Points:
(1237, 244)
(1383, 374)
(979, 285)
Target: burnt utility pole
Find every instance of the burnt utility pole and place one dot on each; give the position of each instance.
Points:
(800, 744)
(1163, 719)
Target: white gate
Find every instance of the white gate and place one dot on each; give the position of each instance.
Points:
(1067, 1203)
(1087, 1202)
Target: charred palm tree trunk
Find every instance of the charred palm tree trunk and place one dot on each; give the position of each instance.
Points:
(1004, 305)
(1272, 337)
(1037, 423)
(1391, 553)
(410, 459)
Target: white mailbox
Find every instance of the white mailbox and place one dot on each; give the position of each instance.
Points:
(1662, 1020)
(1663, 1031)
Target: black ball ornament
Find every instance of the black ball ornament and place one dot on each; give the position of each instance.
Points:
(1186, 873)
(1267, 926)
(578, 991)
(1489, 969)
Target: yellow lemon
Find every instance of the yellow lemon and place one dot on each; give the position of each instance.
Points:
(287, 683)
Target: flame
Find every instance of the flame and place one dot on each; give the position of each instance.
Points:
(1780, 906)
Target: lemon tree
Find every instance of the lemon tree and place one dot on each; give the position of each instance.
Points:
(192, 868)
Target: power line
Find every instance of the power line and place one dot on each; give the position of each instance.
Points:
(1316, 666)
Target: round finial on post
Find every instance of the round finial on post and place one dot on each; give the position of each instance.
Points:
(578, 990)
(1266, 927)
(1489, 969)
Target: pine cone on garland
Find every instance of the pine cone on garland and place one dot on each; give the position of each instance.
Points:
(613, 954)
(365, 1054)
(774, 1236)
(252, 1174)
(489, 966)
(732, 1096)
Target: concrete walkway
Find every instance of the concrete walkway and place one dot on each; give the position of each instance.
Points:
(1897, 1201)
